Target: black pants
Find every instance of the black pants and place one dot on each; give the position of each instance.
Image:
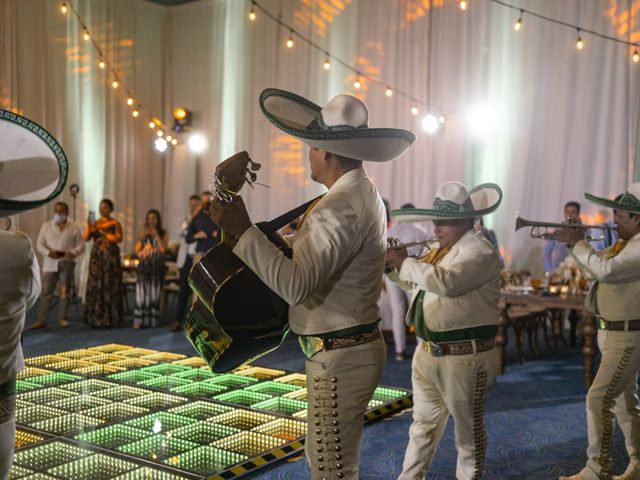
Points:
(185, 292)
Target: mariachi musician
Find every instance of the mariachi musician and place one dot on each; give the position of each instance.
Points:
(334, 279)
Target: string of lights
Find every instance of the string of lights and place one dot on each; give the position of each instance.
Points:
(116, 81)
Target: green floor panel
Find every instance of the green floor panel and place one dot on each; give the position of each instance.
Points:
(46, 395)
(54, 379)
(157, 447)
(200, 389)
(43, 457)
(165, 383)
(95, 467)
(165, 369)
(133, 376)
(196, 375)
(205, 460)
(286, 406)
(122, 393)
(160, 422)
(242, 397)
(69, 423)
(88, 386)
(388, 394)
(204, 432)
(274, 389)
(231, 380)
(78, 403)
(113, 436)
(158, 401)
(200, 410)
(115, 411)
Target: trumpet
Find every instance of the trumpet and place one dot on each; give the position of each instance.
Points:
(536, 229)
(396, 245)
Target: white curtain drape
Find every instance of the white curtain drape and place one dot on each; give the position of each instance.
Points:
(563, 121)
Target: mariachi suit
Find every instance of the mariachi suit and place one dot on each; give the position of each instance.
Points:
(332, 283)
(614, 299)
(461, 294)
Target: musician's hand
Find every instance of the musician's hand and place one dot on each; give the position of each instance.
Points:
(232, 217)
(570, 236)
(395, 258)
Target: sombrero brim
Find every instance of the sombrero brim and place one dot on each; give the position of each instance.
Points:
(485, 198)
(292, 114)
(33, 165)
(613, 204)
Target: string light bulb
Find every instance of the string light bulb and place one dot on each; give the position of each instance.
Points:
(86, 35)
(252, 14)
(388, 92)
(579, 42)
(63, 8)
(518, 25)
(174, 142)
(101, 64)
(636, 56)
(168, 138)
(290, 41)
(357, 84)
(135, 113)
(152, 125)
(129, 101)
(463, 4)
(115, 84)
(160, 133)
(327, 64)
(414, 110)
(442, 119)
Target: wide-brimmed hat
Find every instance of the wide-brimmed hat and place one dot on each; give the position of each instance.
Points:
(628, 202)
(340, 127)
(454, 201)
(33, 166)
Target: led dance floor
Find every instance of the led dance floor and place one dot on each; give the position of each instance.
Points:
(120, 412)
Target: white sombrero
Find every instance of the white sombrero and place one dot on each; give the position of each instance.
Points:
(33, 166)
(628, 202)
(340, 127)
(454, 201)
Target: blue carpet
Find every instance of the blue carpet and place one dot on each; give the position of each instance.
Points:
(535, 413)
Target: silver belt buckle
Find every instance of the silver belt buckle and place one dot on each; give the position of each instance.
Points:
(435, 349)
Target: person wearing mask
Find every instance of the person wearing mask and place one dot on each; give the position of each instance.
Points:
(103, 305)
(202, 229)
(614, 299)
(184, 262)
(59, 242)
(150, 247)
(455, 313)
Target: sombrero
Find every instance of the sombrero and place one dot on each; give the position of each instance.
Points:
(340, 127)
(33, 166)
(454, 201)
(628, 202)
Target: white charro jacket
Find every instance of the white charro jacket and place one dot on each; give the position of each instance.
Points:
(334, 280)
(615, 295)
(462, 291)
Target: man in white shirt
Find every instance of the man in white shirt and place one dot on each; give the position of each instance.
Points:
(333, 281)
(455, 313)
(60, 242)
(615, 300)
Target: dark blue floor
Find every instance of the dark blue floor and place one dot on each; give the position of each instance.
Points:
(534, 414)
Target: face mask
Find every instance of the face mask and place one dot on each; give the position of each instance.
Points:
(59, 218)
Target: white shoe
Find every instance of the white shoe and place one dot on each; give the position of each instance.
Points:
(631, 473)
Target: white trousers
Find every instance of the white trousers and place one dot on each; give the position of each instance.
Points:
(7, 434)
(399, 302)
(340, 384)
(614, 393)
(449, 385)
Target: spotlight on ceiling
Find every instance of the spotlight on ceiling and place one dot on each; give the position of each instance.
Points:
(181, 119)
(197, 143)
(160, 144)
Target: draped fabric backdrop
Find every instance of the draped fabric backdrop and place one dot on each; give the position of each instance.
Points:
(563, 121)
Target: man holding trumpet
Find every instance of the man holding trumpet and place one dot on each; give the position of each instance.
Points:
(615, 300)
(455, 312)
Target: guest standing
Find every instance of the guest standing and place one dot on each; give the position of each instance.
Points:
(150, 247)
(103, 302)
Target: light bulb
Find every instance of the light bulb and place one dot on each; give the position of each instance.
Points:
(135, 113)
(115, 84)
(357, 84)
(160, 133)
(152, 125)
(636, 56)
(101, 64)
(129, 101)
(414, 110)
(290, 42)
(252, 14)
(463, 4)
(63, 8)
(86, 35)
(168, 138)
(442, 119)
(174, 141)
(518, 25)
(327, 64)
(579, 44)
(388, 92)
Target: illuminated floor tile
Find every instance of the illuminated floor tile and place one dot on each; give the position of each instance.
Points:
(29, 416)
(78, 353)
(205, 460)
(111, 348)
(261, 373)
(196, 375)
(115, 411)
(286, 406)
(299, 379)
(26, 438)
(242, 419)
(231, 380)
(147, 473)
(55, 379)
(165, 383)
(25, 386)
(113, 436)
(157, 447)
(200, 389)
(69, 423)
(204, 432)
(201, 410)
(157, 400)
(18, 472)
(297, 395)
(32, 372)
(43, 457)
(136, 352)
(39, 476)
(43, 360)
(249, 443)
(121, 393)
(160, 422)
(241, 397)
(165, 356)
(98, 370)
(166, 369)
(374, 404)
(284, 428)
(88, 386)
(70, 364)
(133, 376)
(46, 395)
(274, 389)
(133, 363)
(191, 362)
(105, 358)
(78, 403)
(95, 467)
(388, 394)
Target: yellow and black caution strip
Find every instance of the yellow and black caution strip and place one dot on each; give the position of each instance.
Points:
(404, 402)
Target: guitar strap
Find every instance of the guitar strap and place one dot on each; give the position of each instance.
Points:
(279, 222)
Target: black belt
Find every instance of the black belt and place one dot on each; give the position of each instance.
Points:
(621, 325)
